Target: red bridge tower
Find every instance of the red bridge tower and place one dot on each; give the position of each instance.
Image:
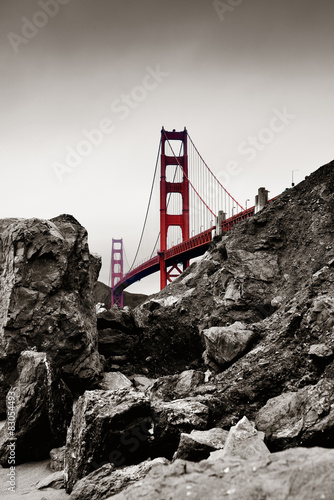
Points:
(116, 271)
(172, 270)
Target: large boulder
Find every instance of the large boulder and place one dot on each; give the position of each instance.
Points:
(47, 279)
(108, 480)
(304, 417)
(107, 427)
(296, 474)
(39, 409)
(224, 344)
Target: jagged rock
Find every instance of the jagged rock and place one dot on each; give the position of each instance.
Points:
(43, 409)
(57, 459)
(225, 344)
(173, 418)
(296, 474)
(114, 380)
(141, 382)
(107, 427)
(320, 351)
(47, 278)
(177, 386)
(118, 335)
(197, 445)
(55, 481)
(109, 481)
(305, 417)
(243, 441)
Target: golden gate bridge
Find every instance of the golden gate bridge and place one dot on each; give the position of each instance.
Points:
(194, 205)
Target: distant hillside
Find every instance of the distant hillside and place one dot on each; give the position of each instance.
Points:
(103, 295)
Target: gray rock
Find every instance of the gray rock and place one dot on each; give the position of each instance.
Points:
(224, 344)
(176, 386)
(296, 474)
(47, 279)
(320, 351)
(182, 415)
(57, 459)
(107, 427)
(243, 441)
(109, 481)
(306, 415)
(197, 445)
(55, 481)
(42, 407)
(114, 380)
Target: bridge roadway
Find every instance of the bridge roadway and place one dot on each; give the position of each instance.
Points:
(188, 249)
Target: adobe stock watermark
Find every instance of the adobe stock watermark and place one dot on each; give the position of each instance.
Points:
(223, 8)
(255, 144)
(11, 418)
(121, 108)
(31, 27)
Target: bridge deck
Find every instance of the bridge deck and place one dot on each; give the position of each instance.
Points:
(189, 249)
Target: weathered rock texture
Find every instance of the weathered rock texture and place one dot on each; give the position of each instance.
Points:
(42, 409)
(108, 481)
(296, 474)
(197, 445)
(243, 441)
(118, 337)
(47, 279)
(305, 416)
(107, 427)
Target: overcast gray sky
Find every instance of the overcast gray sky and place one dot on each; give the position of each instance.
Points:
(251, 80)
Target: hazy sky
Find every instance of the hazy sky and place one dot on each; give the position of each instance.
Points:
(251, 80)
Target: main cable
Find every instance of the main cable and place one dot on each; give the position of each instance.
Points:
(148, 208)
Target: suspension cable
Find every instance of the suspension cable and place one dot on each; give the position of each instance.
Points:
(148, 207)
(200, 197)
(214, 174)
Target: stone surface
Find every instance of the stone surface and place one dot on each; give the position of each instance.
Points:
(42, 407)
(320, 351)
(108, 481)
(225, 344)
(57, 459)
(141, 382)
(107, 427)
(197, 445)
(305, 416)
(47, 279)
(296, 474)
(114, 380)
(174, 417)
(55, 481)
(176, 386)
(243, 441)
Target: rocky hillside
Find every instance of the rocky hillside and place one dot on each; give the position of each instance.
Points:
(220, 386)
(103, 296)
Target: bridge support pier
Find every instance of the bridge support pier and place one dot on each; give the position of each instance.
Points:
(261, 199)
(219, 219)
